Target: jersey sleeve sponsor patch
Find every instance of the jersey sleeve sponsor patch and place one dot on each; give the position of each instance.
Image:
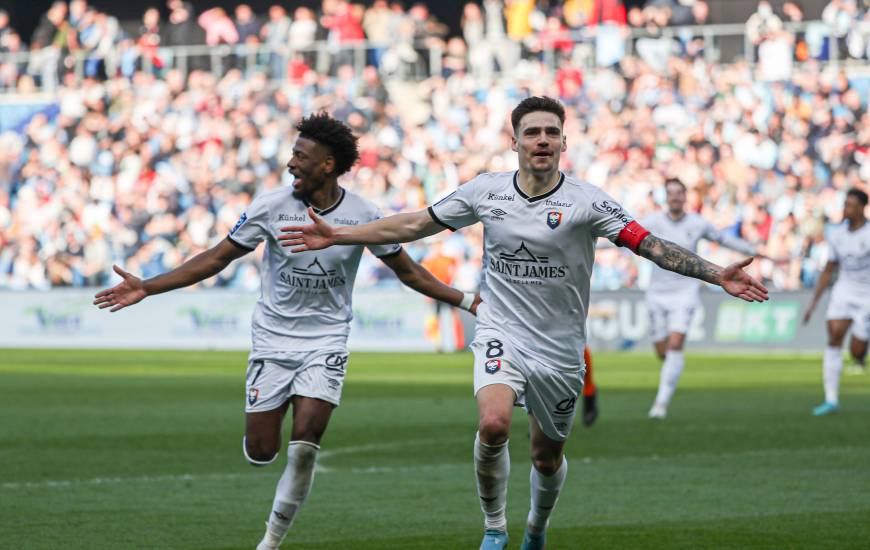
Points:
(609, 219)
(252, 227)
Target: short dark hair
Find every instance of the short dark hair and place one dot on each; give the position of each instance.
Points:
(536, 103)
(858, 194)
(674, 181)
(335, 135)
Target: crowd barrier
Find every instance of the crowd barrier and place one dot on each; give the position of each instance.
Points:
(385, 319)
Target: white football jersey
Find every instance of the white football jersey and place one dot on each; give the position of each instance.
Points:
(686, 232)
(538, 256)
(305, 298)
(852, 250)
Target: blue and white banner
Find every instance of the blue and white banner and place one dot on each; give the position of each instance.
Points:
(384, 320)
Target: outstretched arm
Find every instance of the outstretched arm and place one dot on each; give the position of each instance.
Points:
(821, 286)
(400, 228)
(732, 279)
(133, 290)
(417, 277)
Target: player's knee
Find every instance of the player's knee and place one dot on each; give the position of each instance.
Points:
(260, 452)
(545, 463)
(494, 428)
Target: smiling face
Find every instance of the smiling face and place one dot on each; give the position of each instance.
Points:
(539, 142)
(311, 166)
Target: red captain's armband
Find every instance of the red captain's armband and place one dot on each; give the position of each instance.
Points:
(631, 236)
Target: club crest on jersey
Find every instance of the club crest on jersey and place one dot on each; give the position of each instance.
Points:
(492, 366)
(554, 218)
(253, 395)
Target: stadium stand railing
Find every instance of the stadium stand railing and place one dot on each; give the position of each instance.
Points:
(722, 43)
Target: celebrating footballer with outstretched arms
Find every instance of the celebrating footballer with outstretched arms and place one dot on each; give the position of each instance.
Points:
(301, 322)
(540, 231)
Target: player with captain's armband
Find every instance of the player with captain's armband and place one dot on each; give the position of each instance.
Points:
(540, 227)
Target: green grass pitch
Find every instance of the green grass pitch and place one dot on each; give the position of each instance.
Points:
(117, 450)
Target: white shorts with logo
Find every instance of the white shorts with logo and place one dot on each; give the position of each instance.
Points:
(846, 304)
(317, 374)
(671, 312)
(548, 394)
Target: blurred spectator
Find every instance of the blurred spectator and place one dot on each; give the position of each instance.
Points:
(762, 23)
(5, 31)
(376, 23)
(276, 35)
(246, 24)
(219, 28)
(149, 39)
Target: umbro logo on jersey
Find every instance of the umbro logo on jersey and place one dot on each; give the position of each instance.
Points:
(497, 213)
(554, 218)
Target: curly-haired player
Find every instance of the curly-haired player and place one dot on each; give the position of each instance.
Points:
(302, 319)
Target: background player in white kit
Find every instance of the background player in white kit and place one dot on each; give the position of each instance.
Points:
(849, 254)
(671, 299)
(302, 319)
(540, 230)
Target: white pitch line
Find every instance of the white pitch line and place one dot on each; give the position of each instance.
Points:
(321, 468)
(55, 484)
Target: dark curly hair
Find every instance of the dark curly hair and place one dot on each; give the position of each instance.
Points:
(536, 103)
(335, 135)
(858, 194)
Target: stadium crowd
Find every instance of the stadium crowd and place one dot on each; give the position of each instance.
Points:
(143, 165)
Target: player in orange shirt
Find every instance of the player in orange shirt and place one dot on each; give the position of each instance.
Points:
(443, 267)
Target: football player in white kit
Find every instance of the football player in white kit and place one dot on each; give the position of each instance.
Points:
(540, 227)
(849, 254)
(671, 299)
(301, 322)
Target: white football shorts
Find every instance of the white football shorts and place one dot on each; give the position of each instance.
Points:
(850, 305)
(548, 394)
(671, 312)
(317, 374)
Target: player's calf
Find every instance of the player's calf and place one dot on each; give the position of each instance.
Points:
(292, 490)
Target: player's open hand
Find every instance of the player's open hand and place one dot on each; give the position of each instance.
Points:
(313, 236)
(737, 282)
(126, 293)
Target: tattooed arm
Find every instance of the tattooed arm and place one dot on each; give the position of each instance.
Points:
(732, 279)
(673, 257)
